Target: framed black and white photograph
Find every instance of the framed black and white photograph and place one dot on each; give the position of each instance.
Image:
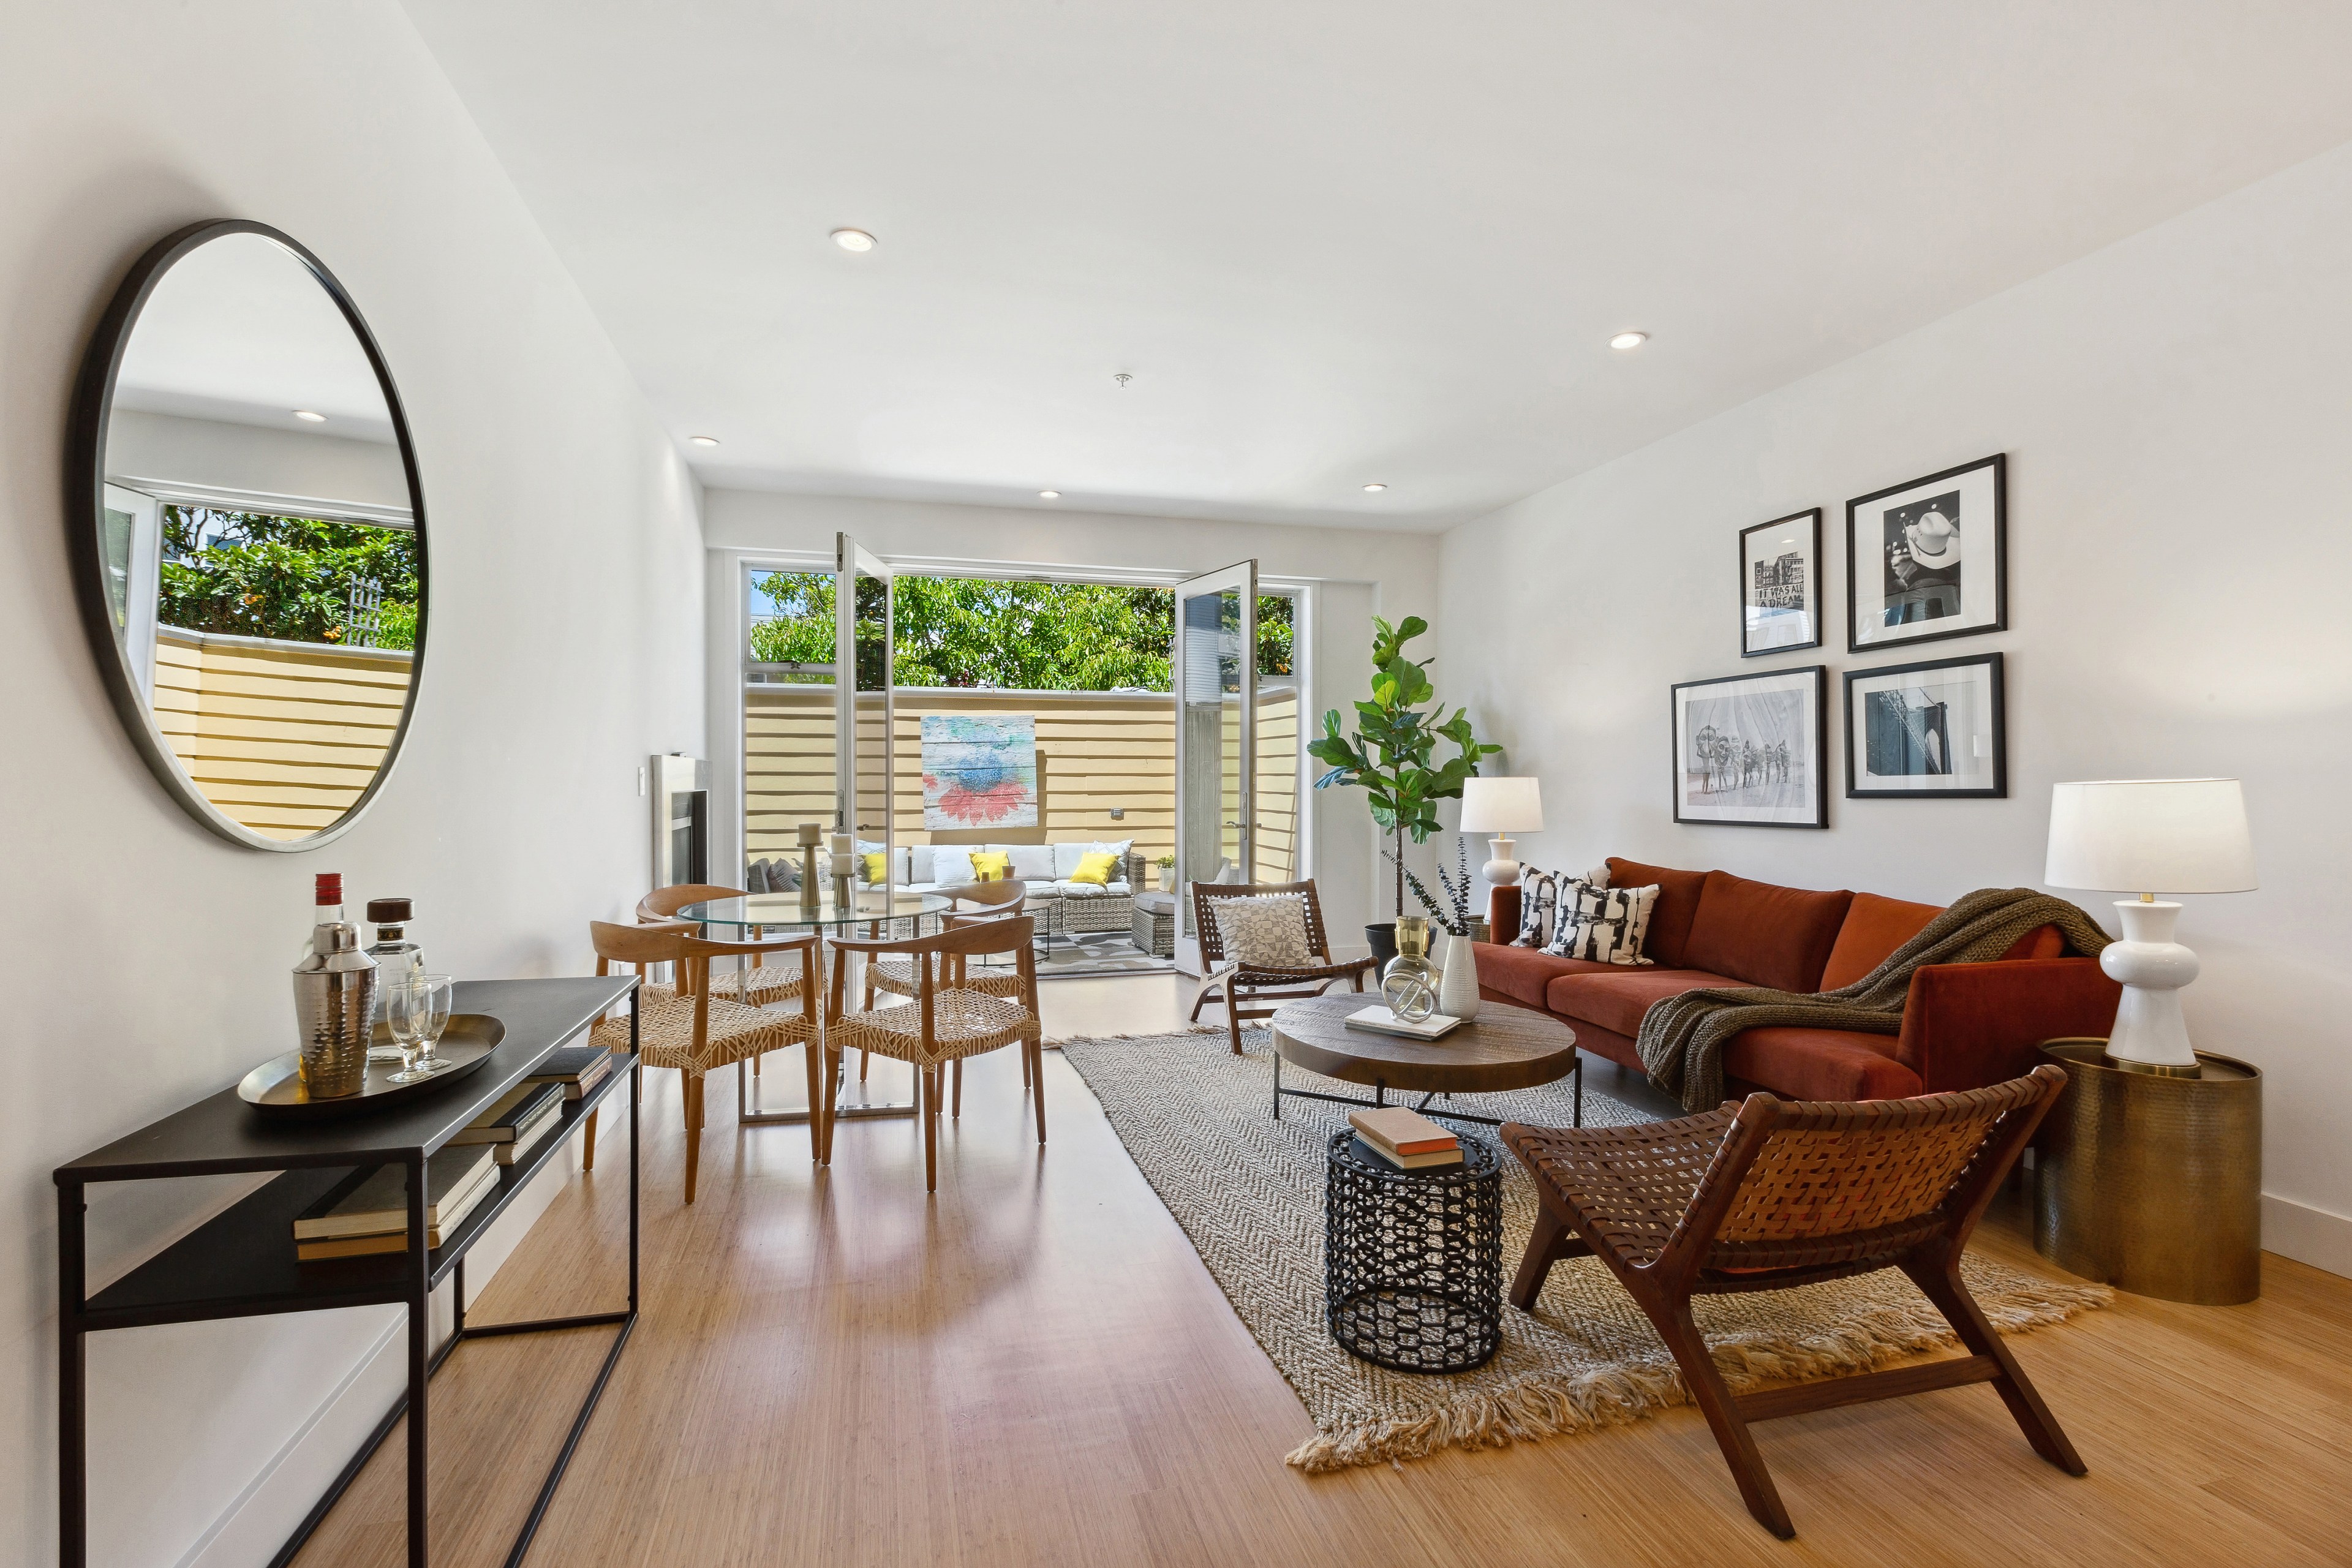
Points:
(1780, 585)
(1935, 729)
(1750, 750)
(1929, 559)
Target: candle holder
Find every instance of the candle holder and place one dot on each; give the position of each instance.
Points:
(810, 834)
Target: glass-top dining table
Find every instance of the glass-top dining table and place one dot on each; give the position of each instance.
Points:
(755, 915)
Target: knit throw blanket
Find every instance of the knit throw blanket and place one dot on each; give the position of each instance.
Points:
(1682, 1037)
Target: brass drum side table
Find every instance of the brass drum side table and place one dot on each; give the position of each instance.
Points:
(2153, 1184)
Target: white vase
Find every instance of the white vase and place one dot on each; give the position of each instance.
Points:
(1457, 988)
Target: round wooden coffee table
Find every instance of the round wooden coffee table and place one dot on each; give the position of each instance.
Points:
(1503, 1049)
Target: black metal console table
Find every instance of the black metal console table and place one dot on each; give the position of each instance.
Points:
(241, 1263)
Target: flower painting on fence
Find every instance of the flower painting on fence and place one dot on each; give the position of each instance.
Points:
(980, 773)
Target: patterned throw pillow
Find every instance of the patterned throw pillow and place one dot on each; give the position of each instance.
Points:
(1604, 925)
(1539, 899)
(1263, 932)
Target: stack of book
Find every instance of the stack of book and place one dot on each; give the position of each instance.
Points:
(1378, 1020)
(576, 1068)
(1399, 1136)
(368, 1211)
(516, 1119)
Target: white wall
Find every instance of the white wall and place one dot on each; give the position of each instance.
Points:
(2179, 427)
(282, 467)
(1349, 574)
(148, 957)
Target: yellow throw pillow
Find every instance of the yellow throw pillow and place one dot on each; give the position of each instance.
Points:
(1095, 865)
(873, 859)
(991, 868)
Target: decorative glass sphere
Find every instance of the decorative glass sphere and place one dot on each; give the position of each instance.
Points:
(1409, 986)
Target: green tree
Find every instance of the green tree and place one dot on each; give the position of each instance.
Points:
(285, 577)
(1391, 757)
(982, 632)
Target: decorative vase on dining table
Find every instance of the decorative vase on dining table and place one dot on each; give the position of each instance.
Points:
(1457, 986)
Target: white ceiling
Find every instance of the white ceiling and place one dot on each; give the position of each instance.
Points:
(1333, 242)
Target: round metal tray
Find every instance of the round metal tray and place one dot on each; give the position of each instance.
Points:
(275, 1087)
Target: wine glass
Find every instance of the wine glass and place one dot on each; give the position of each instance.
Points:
(418, 1011)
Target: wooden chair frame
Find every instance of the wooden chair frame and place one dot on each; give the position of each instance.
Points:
(1250, 995)
(660, 907)
(675, 942)
(1005, 898)
(940, 960)
(1766, 1194)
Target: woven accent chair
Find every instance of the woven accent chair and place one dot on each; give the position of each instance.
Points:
(947, 1021)
(754, 984)
(690, 1029)
(895, 973)
(1250, 993)
(1767, 1194)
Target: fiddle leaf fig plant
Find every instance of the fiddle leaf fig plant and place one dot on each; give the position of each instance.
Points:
(1392, 755)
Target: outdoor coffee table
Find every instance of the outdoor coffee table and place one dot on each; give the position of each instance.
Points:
(1503, 1049)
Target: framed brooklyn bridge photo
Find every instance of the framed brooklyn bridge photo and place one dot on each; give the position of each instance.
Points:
(1750, 750)
(1780, 585)
(1935, 729)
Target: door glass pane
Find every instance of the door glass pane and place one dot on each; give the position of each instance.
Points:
(873, 744)
(1213, 706)
(789, 721)
(1274, 845)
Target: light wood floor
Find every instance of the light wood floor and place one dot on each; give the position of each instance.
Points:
(1034, 1368)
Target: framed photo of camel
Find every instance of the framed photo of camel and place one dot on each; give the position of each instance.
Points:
(1750, 751)
(1929, 559)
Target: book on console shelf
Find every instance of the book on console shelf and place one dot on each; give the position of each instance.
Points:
(577, 1069)
(511, 1113)
(1400, 1136)
(1378, 1020)
(368, 1211)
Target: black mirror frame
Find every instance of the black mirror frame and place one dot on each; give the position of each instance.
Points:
(85, 477)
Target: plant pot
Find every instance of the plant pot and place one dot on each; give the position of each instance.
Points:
(1381, 935)
(1167, 879)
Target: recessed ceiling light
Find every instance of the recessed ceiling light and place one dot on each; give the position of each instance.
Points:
(704, 441)
(853, 239)
(308, 417)
(1629, 340)
(1375, 488)
(1049, 495)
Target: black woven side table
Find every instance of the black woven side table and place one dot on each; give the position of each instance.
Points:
(1413, 1260)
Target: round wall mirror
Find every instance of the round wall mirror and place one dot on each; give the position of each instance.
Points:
(248, 535)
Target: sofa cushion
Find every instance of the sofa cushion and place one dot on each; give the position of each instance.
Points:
(1605, 924)
(1068, 853)
(1522, 972)
(1615, 997)
(1874, 928)
(1819, 1064)
(952, 866)
(1031, 862)
(1671, 916)
(1764, 934)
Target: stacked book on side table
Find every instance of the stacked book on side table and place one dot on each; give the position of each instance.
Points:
(1402, 1137)
(368, 1212)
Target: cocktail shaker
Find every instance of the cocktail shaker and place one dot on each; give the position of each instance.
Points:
(334, 1000)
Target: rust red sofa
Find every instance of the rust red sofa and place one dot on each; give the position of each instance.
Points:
(1964, 1025)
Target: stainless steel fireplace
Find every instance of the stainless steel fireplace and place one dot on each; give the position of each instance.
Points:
(681, 795)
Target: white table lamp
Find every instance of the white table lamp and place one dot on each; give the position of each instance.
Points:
(1501, 807)
(2150, 836)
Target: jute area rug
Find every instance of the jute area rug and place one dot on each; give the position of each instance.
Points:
(1248, 1191)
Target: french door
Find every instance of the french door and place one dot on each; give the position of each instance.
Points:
(863, 715)
(1215, 679)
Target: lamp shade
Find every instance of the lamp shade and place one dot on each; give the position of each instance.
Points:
(1501, 805)
(2150, 836)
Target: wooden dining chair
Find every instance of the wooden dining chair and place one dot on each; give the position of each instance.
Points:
(692, 1030)
(755, 984)
(1766, 1194)
(1250, 992)
(895, 973)
(947, 1021)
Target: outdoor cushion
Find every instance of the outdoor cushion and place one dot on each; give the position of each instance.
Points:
(1522, 972)
(1820, 1064)
(1671, 916)
(1094, 866)
(1090, 890)
(1874, 928)
(1615, 997)
(1764, 934)
(1067, 855)
(919, 863)
(992, 864)
(1031, 862)
(952, 866)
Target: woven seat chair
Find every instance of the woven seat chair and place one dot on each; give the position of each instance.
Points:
(895, 973)
(945, 1022)
(1766, 1194)
(689, 1028)
(1250, 993)
(753, 983)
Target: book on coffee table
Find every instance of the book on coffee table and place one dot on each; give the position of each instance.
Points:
(1378, 1020)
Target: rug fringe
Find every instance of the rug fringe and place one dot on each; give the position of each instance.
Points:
(1548, 1407)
